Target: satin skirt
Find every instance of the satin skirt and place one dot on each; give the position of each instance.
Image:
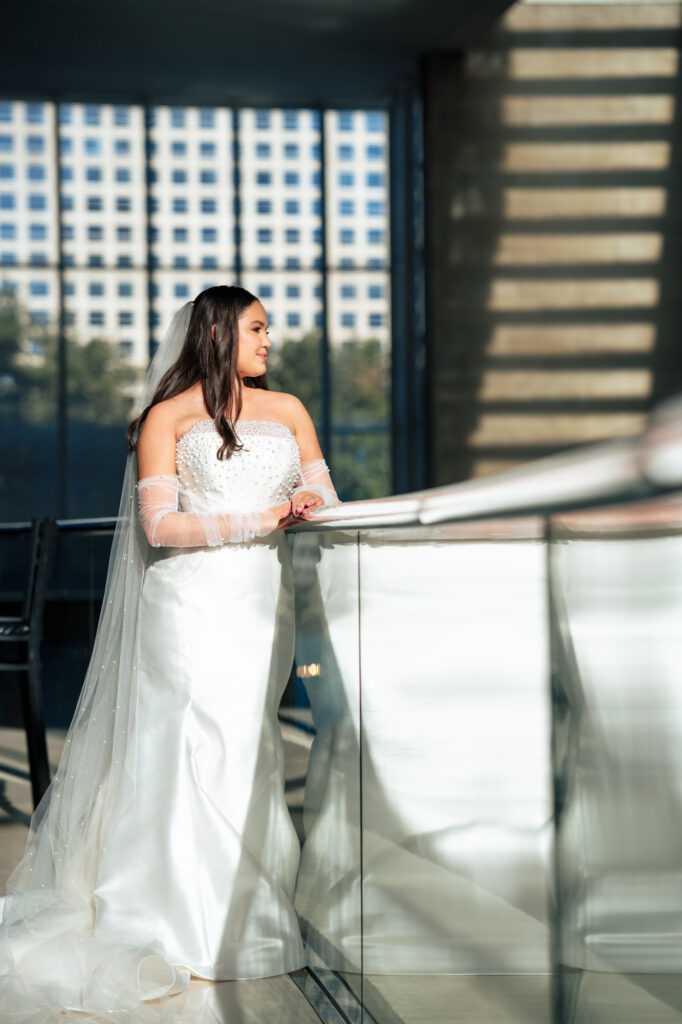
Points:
(204, 862)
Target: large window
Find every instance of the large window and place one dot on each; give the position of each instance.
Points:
(137, 212)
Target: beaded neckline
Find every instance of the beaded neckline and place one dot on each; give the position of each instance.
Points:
(205, 420)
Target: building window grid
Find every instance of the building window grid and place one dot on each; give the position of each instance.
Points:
(290, 121)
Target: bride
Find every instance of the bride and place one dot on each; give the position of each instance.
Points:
(163, 847)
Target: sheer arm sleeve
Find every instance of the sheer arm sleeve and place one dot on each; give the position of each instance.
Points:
(314, 476)
(165, 526)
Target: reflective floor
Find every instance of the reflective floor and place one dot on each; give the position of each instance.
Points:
(458, 999)
(393, 999)
(401, 998)
(277, 999)
(588, 997)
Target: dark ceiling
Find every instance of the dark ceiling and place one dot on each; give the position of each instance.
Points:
(260, 52)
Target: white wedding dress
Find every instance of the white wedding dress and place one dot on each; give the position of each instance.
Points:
(207, 861)
(196, 874)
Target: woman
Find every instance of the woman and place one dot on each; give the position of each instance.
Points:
(163, 847)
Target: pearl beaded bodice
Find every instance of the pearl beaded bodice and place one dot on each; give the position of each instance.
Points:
(263, 474)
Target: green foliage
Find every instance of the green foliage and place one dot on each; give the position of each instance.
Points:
(20, 377)
(10, 332)
(294, 367)
(360, 399)
(362, 465)
(98, 378)
(99, 381)
(362, 458)
(360, 373)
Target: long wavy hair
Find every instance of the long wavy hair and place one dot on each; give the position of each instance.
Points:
(214, 363)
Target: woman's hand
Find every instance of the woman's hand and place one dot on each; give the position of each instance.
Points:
(304, 502)
(278, 517)
(281, 516)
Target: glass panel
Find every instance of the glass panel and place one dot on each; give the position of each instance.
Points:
(356, 151)
(358, 298)
(189, 244)
(328, 894)
(102, 182)
(112, 305)
(105, 359)
(29, 304)
(359, 334)
(173, 288)
(616, 587)
(293, 302)
(192, 217)
(75, 596)
(456, 794)
(280, 189)
(28, 386)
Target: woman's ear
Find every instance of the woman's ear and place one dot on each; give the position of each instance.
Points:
(213, 333)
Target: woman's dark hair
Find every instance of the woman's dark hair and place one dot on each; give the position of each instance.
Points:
(214, 363)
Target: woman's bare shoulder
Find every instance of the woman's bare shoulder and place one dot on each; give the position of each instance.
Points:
(285, 401)
(176, 414)
(288, 408)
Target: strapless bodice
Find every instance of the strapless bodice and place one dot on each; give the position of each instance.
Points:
(263, 474)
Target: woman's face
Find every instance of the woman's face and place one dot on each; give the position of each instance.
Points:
(253, 341)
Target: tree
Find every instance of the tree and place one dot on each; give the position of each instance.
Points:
(99, 383)
(294, 367)
(359, 385)
(99, 380)
(21, 373)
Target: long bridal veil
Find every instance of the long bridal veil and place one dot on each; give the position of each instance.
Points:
(51, 957)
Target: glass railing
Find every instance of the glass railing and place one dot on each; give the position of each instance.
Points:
(615, 629)
(485, 715)
(492, 798)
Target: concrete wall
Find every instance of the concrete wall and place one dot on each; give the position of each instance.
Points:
(553, 219)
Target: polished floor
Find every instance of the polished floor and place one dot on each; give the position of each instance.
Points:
(278, 1000)
(387, 999)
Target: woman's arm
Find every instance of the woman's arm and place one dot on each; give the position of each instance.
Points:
(164, 525)
(314, 486)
